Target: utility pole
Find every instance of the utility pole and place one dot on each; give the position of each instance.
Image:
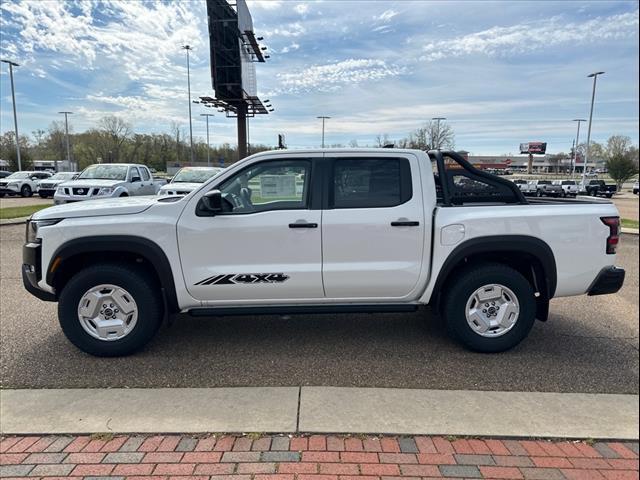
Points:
(437, 119)
(593, 97)
(66, 133)
(575, 150)
(323, 120)
(15, 116)
(187, 48)
(207, 115)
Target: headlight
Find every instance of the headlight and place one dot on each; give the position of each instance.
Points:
(13, 184)
(105, 191)
(34, 225)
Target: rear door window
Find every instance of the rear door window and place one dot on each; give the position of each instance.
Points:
(370, 182)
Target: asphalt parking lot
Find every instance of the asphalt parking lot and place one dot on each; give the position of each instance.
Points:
(589, 344)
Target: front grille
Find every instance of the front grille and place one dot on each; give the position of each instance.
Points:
(81, 191)
(46, 185)
(4, 184)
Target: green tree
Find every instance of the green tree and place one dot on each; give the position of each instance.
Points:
(622, 168)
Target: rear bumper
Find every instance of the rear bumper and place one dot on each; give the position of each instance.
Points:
(609, 280)
(31, 273)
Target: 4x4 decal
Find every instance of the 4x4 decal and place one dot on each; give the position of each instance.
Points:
(244, 279)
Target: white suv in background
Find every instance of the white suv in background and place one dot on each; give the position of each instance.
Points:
(22, 183)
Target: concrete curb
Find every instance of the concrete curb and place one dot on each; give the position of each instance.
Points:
(13, 221)
(320, 410)
(630, 231)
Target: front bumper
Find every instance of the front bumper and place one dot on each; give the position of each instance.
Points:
(609, 280)
(10, 190)
(50, 192)
(31, 272)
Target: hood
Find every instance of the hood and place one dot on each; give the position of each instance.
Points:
(181, 186)
(96, 208)
(88, 182)
(47, 181)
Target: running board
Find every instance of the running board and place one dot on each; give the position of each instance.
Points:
(302, 309)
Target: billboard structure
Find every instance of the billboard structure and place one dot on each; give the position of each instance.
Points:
(234, 51)
(533, 148)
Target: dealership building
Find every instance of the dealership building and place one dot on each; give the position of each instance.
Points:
(541, 163)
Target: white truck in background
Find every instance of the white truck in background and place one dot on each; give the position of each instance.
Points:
(108, 180)
(188, 179)
(367, 230)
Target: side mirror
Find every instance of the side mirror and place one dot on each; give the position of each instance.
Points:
(212, 201)
(135, 179)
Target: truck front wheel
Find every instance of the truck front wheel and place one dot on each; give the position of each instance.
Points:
(110, 309)
(489, 308)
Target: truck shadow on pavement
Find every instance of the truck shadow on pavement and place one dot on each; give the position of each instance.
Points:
(364, 350)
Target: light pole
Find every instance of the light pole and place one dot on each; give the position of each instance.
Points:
(66, 132)
(187, 48)
(323, 120)
(593, 97)
(15, 116)
(207, 115)
(575, 150)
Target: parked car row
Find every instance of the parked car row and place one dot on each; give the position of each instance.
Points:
(566, 188)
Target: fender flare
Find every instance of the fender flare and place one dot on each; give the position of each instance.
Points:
(141, 246)
(503, 243)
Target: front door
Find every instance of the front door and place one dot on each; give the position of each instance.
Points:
(373, 228)
(266, 247)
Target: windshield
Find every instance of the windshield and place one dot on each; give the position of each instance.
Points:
(105, 172)
(189, 175)
(20, 175)
(62, 176)
(544, 182)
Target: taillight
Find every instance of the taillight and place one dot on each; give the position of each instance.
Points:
(614, 233)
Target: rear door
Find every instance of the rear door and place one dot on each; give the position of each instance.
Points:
(373, 226)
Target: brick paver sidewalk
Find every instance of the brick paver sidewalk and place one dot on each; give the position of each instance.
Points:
(315, 457)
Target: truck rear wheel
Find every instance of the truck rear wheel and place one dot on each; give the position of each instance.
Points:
(110, 309)
(489, 308)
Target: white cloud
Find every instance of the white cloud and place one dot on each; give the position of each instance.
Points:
(386, 15)
(301, 8)
(290, 48)
(330, 77)
(264, 4)
(291, 30)
(522, 38)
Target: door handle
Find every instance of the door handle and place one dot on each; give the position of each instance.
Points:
(405, 224)
(303, 225)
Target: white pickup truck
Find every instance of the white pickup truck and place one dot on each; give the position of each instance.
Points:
(322, 231)
(188, 179)
(570, 188)
(108, 180)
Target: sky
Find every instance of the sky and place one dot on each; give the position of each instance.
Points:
(502, 73)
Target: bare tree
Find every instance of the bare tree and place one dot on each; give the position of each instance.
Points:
(115, 131)
(382, 140)
(618, 146)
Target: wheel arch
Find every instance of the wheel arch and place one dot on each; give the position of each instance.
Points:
(74, 254)
(529, 255)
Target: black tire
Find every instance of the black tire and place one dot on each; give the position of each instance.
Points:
(26, 191)
(1, 195)
(465, 284)
(142, 287)
(124, 195)
(43, 195)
